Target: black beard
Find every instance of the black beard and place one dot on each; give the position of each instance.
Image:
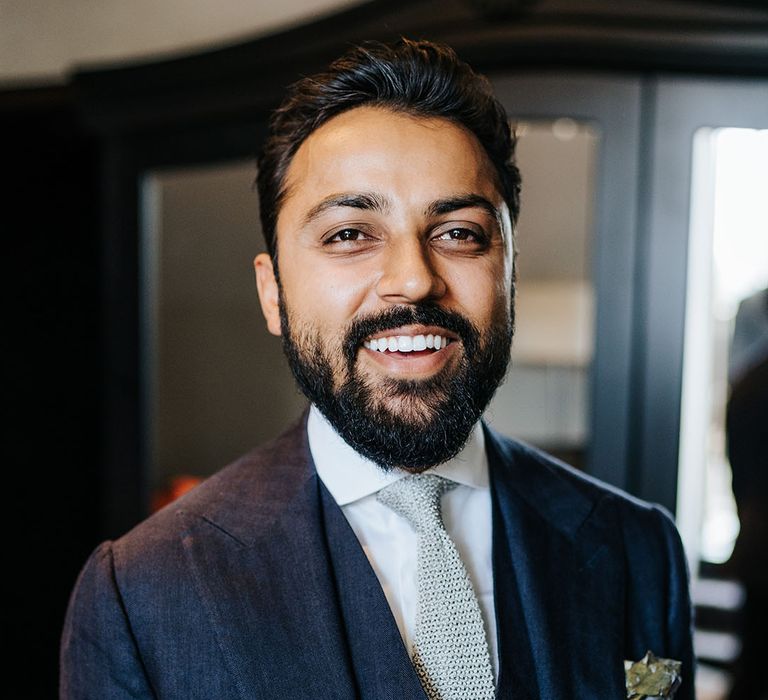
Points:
(437, 414)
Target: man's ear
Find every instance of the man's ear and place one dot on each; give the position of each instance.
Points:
(268, 292)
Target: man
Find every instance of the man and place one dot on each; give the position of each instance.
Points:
(389, 545)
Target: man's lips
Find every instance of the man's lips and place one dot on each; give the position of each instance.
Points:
(414, 339)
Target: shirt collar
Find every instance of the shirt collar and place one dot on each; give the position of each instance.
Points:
(349, 476)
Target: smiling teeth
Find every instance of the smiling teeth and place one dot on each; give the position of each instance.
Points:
(407, 343)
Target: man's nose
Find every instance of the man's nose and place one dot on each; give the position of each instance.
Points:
(409, 274)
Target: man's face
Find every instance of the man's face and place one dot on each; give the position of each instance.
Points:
(393, 234)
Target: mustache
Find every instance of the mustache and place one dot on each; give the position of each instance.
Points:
(421, 314)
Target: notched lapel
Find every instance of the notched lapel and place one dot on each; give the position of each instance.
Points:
(382, 664)
(558, 582)
(262, 572)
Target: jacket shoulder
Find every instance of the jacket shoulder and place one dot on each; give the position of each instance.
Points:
(249, 491)
(534, 468)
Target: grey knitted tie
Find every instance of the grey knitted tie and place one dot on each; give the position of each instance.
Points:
(450, 651)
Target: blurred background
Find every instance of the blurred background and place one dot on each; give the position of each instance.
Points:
(136, 360)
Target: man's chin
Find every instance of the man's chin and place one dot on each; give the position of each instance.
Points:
(417, 403)
(407, 410)
(412, 425)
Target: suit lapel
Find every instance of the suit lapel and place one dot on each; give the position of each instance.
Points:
(380, 660)
(517, 673)
(262, 570)
(557, 579)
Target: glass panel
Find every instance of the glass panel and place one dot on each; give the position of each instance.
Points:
(728, 273)
(545, 398)
(217, 384)
(726, 342)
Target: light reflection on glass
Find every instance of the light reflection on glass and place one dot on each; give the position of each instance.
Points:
(728, 262)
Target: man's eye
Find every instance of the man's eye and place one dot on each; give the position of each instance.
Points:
(346, 234)
(459, 234)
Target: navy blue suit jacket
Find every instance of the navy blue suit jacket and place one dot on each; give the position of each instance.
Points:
(253, 586)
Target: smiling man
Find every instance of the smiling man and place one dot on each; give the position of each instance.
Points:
(390, 545)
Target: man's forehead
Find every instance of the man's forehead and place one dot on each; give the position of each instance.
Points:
(381, 151)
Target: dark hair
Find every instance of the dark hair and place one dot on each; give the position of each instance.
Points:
(420, 78)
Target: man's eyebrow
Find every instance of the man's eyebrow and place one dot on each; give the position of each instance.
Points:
(463, 201)
(370, 201)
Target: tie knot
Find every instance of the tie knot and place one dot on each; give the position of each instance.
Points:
(416, 498)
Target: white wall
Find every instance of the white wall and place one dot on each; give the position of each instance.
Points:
(43, 40)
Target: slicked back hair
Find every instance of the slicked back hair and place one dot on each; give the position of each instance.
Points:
(419, 78)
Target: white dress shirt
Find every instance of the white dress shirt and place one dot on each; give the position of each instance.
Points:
(388, 540)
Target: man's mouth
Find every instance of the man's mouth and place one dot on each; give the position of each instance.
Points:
(408, 343)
